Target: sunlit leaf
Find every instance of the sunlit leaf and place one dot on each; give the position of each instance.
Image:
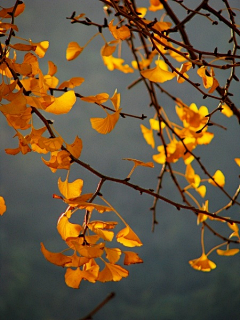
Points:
(113, 63)
(73, 51)
(228, 252)
(105, 125)
(72, 83)
(219, 179)
(3, 207)
(70, 189)
(58, 259)
(202, 264)
(115, 99)
(131, 258)
(87, 251)
(158, 74)
(112, 272)
(120, 33)
(237, 160)
(226, 110)
(148, 135)
(75, 148)
(5, 12)
(62, 104)
(113, 254)
(128, 237)
(40, 48)
(98, 98)
(67, 229)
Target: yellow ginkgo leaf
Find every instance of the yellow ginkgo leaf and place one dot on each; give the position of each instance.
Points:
(228, 252)
(73, 51)
(121, 33)
(138, 163)
(50, 144)
(226, 110)
(72, 83)
(3, 207)
(98, 98)
(103, 224)
(148, 135)
(159, 73)
(52, 68)
(67, 229)
(107, 50)
(75, 148)
(237, 160)
(40, 48)
(131, 258)
(202, 263)
(219, 179)
(70, 189)
(73, 277)
(116, 100)
(105, 125)
(128, 237)
(58, 259)
(62, 104)
(94, 251)
(6, 12)
(112, 272)
(113, 254)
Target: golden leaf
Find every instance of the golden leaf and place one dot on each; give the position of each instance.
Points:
(105, 125)
(62, 104)
(58, 259)
(128, 237)
(73, 51)
(158, 74)
(113, 254)
(98, 98)
(112, 272)
(131, 258)
(219, 179)
(3, 207)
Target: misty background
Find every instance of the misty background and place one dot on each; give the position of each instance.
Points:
(163, 287)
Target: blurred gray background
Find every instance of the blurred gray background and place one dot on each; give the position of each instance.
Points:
(164, 287)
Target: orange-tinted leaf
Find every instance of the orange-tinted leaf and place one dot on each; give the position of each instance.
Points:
(105, 125)
(228, 252)
(107, 50)
(237, 160)
(75, 148)
(131, 258)
(4, 12)
(94, 251)
(22, 47)
(128, 237)
(52, 68)
(103, 224)
(113, 254)
(121, 33)
(3, 207)
(113, 63)
(73, 51)
(98, 98)
(116, 100)
(202, 263)
(73, 278)
(158, 74)
(72, 83)
(112, 272)
(67, 229)
(62, 104)
(58, 259)
(70, 189)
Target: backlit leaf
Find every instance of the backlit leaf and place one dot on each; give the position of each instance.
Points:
(67, 229)
(219, 178)
(105, 125)
(75, 148)
(131, 258)
(3, 207)
(70, 189)
(72, 83)
(113, 254)
(228, 252)
(58, 259)
(98, 98)
(62, 104)
(128, 237)
(73, 51)
(112, 272)
(120, 33)
(159, 73)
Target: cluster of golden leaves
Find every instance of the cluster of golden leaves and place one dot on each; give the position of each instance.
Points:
(192, 132)
(25, 91)
(89, 241)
